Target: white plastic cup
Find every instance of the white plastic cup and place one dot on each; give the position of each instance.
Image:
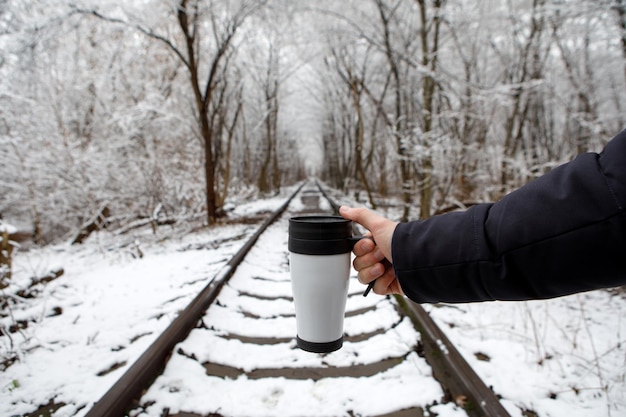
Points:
(320, 249)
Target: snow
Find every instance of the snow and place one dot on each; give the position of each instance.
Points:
(297, 398)
(7, 228)
(185, 387)
(113, 303)
(561, 357)
(567, 355)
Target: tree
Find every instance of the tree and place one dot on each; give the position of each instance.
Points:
(400, 122)
(189, 19)
(168, 106)
(206, 70)
(268, 81)
(429, 36)
(620, 8)
(353, 74)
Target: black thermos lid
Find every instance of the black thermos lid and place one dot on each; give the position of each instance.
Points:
(320, 235)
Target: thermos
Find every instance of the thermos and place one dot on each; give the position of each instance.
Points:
(319, 262)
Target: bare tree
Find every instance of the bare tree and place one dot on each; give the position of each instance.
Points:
(523, 73)
(620, 8)
(337, 125)
(206, 70)
(171, 122)
(399, 122)
(353, 75)
(429, 35)
(225, 131)
(269, 176)
(190, 22)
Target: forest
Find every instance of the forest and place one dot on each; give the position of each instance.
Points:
(160, 110)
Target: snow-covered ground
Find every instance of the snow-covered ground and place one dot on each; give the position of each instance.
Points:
(562, 357)
(185, 386)
(559, 357)
(113, 303)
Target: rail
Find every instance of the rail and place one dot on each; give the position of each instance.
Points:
(457, 378)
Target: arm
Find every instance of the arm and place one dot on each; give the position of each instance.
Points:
(565, 232)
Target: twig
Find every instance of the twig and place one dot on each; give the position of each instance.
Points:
(604, 386)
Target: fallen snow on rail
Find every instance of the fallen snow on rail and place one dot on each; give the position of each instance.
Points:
(257, 303)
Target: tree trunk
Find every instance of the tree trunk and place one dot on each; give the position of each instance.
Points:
(6, 249)
(529, 70)
(276, 178)
(230, 131)
(360, 134)
(209, 171)
(264, 177)
(620, 8)
(429, 60)
(399, 124)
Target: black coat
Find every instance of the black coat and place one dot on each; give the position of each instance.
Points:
(562, 233)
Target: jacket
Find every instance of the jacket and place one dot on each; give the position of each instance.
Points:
(563, 233)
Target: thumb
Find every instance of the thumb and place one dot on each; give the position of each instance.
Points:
(362, 216)
(381, 228)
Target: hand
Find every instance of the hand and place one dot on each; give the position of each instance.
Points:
(373, 260)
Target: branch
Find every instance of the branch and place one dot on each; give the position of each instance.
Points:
(247, 9)
(146, 31)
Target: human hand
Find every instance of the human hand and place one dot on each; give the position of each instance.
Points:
(373, 260)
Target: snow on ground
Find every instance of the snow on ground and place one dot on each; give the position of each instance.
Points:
(559, 357)
(112, 304)
(563, 357)
(185, 387)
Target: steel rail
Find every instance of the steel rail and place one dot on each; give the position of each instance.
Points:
(452, 371)
(119, 398)
(455, 375)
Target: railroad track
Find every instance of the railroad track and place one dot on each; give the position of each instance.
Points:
(232, 351)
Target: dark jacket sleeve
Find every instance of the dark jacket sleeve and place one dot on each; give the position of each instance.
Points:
(562, 233)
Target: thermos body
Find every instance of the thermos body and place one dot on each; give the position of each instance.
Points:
(320, 289)
(319, 259)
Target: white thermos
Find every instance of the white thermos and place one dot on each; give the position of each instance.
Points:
(319, 248)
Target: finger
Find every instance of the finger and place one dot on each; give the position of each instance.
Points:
(363, 246)
(386, 283)
(367, 260)
(390, 279)
(370, 273)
